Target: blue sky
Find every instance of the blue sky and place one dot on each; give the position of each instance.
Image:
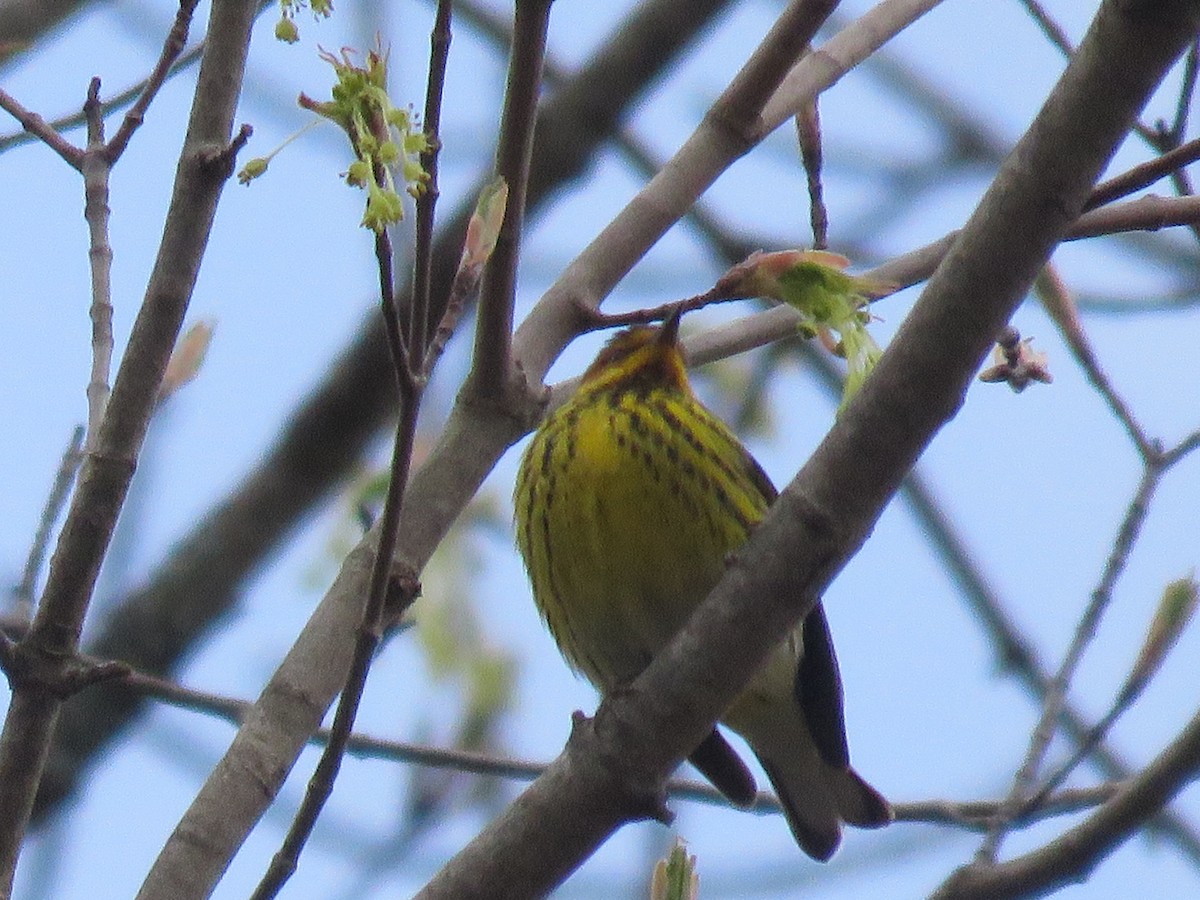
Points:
(1037, 482)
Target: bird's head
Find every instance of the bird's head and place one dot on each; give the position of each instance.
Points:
(644, 355)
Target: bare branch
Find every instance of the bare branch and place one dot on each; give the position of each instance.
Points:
(42, 130)
(64, 477)
(172, 48)
(439, 51)
(1071, 856)
(639, 735)
(96, 167)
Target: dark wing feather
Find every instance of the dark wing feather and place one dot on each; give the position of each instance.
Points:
(720, 764)
(758, 477)
(819, 690)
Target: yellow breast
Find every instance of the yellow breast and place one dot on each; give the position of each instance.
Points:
(627, 506)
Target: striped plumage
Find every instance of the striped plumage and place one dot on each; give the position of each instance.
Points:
(630, 498)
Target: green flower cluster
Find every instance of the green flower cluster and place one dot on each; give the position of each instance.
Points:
(285, 28)
(386, 139)
(813, 282)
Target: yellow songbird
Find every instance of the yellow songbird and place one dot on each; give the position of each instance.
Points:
(630, 498)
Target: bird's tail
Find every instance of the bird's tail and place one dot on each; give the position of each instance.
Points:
(816, 796)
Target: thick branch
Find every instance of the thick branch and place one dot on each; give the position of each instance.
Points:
(640, 735)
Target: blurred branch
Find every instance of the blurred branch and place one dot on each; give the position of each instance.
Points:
(1085, 630)
(23, 22)
(836, 57)
(37, 128)
(976, 815)
(625, 140)
(1070, 857)
(1058, 301)
(1155, 465)
(118, 101)
(64, 477)
(1049, 27)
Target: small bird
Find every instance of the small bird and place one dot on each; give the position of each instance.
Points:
(629, 500)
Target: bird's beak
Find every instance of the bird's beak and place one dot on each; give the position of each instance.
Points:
(669, 335)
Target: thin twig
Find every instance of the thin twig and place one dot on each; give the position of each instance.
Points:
(116, 102)
(464, 284)
(976, 815)
(96, 167)
(42, 130)
(119, 100)
(1187, 88)
(808, 129)
(1058, 302)
(1054, 33)
(59, 491)
(173, 46)
(972, 815)
(1083, 751)
(385, 584)
(491, 371)
(1188, 445)
(439, 52)
(1127, 535)
(1069, 857)
(1143, 175)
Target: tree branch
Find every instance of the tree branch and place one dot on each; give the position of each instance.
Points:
(640, 735)
(492, 370)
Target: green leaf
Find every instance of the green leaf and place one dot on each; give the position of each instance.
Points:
(829, 300)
